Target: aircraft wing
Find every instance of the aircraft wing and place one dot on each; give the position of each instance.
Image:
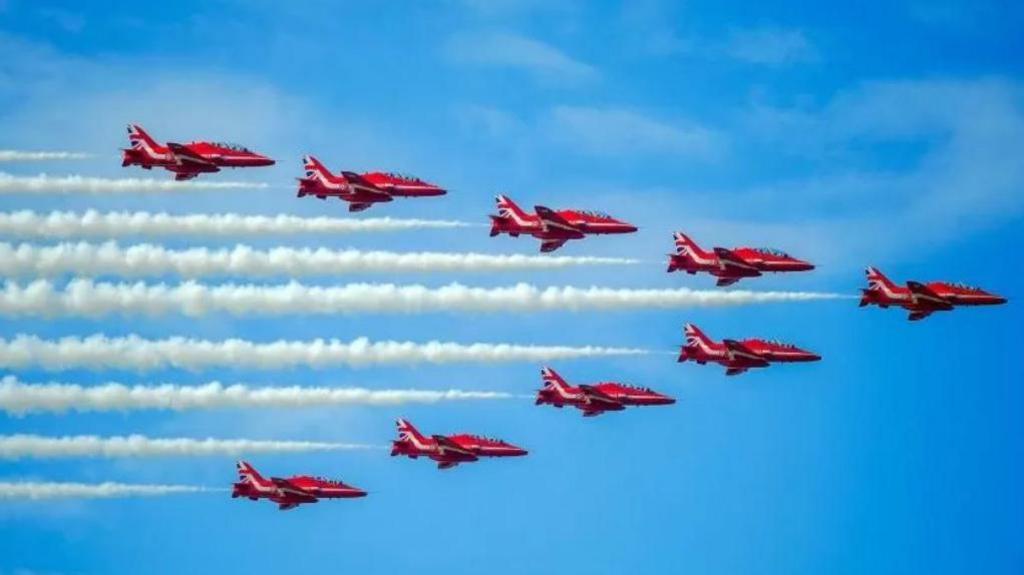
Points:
(926, 298)
(363, 185)
(187, 157)
(550, 220)
(292, 493)
(447, 444)
(551, 245)
(734, 264)
(595, 396)
(743, 356)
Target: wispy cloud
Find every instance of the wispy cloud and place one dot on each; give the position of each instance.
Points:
(506, 50)
(133, 353)
(18, 398)
(45, 184)
(770, 46)
(93, 224)
(40, 156)
(618, 131)
(146, 260)
(87, 298)
(22, 446)
(33, 490)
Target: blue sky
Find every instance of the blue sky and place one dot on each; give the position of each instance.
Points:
(879, 133)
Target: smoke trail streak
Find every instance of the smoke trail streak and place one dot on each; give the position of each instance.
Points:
(33, 490)
(133, 353)
(87, 298)
(25, 156)
(44, 184)
(40, 447)
(18, 398)
(93, 224)
(24, 260)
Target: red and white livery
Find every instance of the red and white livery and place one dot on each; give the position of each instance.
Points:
(449, 450)
(597, 398)
(552, 227)
(361, 190)
(920, 299)
(289, 492)
(189, 160)
(737, 356)
(730, 266)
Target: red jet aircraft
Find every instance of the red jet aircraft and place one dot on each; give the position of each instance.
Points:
(291, 492)
(187, 160)
(449, 450)
(553, 228)
(361, 190)
(730, 266)
(921, 300)
(739, 356)
(595, 399)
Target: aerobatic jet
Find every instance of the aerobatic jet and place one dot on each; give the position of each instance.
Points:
(187, 160)
(289, 492)
(921, 299)
(739, 356)
(553, 228)
(730, 266)
(361, 190)
(595, 399)
(449, 450)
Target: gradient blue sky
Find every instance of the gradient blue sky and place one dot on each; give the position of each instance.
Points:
(885, 133)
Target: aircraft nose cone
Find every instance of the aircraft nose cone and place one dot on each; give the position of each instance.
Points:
(666, 400)
(629, 228)
(518, 451)
(804, 266)
(999, 300)
(812, 356)
(358, 493)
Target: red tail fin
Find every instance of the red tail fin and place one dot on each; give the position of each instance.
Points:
(689, 249)
(248, 474)
(140, 139)
(315, 169)
(406, 432)
(552, 379)
(508, 209)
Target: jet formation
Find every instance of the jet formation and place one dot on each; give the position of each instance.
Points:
(923, 299)
(189, 160)
(289, 492)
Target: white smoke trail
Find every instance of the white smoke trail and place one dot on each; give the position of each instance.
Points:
(44, 184)
(86, 298)
(143, 260)
(18, 398)
(33, 490)
(93, 224)
(133, 353)
(24, 156)
(40, 447)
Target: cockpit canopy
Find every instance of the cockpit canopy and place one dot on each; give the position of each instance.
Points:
(772, 252)
(594, 214)
(400, 176)
(232, 146)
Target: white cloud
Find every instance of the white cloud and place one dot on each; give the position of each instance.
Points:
(18, 398)
(506, 50)
(617, 131)
(770, 46)
(87, 298)
(26, 260)
(134, 353)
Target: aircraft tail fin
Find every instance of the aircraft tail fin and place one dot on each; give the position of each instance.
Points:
(248, 474)
(878, 285)
(687, 248)
(694, 335)
(552, 379)
(509, 209)
(138, 138)
(314, 169)
(406, 432)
